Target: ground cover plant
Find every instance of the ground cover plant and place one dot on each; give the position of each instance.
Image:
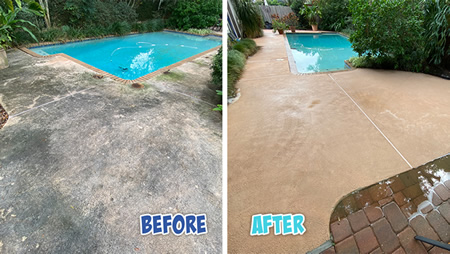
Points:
(238, 53)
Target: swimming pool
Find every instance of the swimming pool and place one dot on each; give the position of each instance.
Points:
(133, 56)
(320, 52)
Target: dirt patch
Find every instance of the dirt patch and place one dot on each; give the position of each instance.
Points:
(3, 116)
(137, 85)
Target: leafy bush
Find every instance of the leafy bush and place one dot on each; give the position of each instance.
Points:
(138, 27)
(436, 23)
(121, 28)
(389, 31)
(83, 13)
(275, 2)
(296, 6)
(52, 34)
(236, 63)
(250, 16)
(96, 31)
(154, 25)
(202, 32)
(335, 15)
(217, 70)
(195, 14)
(246, 46)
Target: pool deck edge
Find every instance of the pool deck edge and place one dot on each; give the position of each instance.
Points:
(123, 81)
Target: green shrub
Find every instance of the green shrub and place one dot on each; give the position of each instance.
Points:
(250, 16)
(138, 27)
(390, 31)
(72, 33)
(96, 31)
(121, 28)
(52, 34)
(275, 2)
(202, 32)
(437, 31)
(217, 70)
(335, 15)
(154, 25)
(296, 6)
(83, 13)
(195, 14)
(217, 75)
(236, 63)
(246, 46)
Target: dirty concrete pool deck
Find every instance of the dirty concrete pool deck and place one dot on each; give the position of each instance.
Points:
(81, 159)
(299, 143)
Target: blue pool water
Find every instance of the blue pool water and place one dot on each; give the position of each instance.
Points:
(133, 56)
(320, 52)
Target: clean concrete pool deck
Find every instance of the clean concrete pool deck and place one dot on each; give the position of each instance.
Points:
(81, 159)
(298, 143)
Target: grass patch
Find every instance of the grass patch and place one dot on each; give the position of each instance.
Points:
(172, 76)
(201, 63)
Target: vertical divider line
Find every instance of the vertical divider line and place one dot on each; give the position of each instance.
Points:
(224, 127)
(368, 118)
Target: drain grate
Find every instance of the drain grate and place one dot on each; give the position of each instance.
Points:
(3, 116)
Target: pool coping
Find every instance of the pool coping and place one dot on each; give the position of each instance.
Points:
(109, 75)
(291, 60)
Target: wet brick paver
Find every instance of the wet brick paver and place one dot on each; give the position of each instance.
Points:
(385, 217)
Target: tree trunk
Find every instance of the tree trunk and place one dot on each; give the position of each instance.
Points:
(44, 5)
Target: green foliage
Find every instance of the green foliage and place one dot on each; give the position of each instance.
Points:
(246, 46)
(275, 2)
(83, 13)
(236, 63)
(335, 15)
(251, 19)
(250, 16)
(437, 33)
(311, 13)
(218, 108)
(217, 69)
(121, 28)
(9, 21)
(278, 24)
(201, 32)
(52, 34)
(296, 6)
(217, 77)
(389, 31)
(138, 27)
(154, 25)
(195, 14)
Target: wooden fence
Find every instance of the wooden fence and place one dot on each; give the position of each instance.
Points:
(268, 11)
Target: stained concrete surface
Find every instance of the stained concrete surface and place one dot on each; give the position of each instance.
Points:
(82, 158)
(298, 143)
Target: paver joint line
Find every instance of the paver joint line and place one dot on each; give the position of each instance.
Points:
(368, 118)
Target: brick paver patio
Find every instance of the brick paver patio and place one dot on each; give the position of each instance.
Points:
(385, 217)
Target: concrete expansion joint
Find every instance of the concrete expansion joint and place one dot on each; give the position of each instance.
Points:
(371, 121)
